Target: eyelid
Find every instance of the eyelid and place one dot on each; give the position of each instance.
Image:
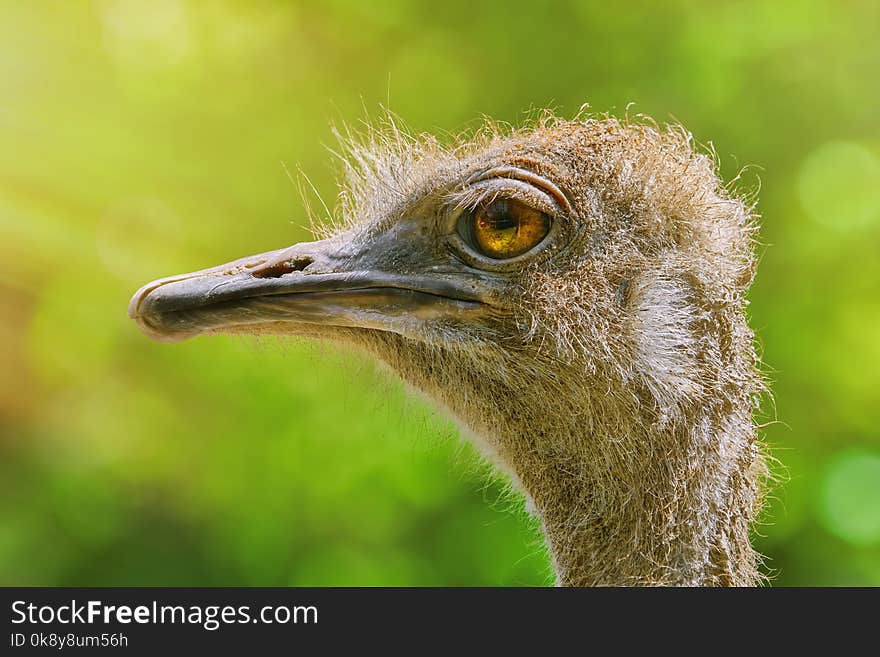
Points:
(488, 190)
(525, 176)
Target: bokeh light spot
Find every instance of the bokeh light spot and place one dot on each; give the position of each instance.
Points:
(838, 185)
(850, 504)
(147, 35)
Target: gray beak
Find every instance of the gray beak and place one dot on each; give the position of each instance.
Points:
(308, 283)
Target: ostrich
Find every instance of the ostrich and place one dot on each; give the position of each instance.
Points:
(573, 293)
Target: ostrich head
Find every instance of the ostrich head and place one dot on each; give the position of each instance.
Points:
(573, 294)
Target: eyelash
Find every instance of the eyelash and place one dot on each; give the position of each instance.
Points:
(484, 191)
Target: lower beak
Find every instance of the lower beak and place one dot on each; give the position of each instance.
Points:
(276, 291)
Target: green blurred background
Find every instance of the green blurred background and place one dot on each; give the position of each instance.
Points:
(143, 138)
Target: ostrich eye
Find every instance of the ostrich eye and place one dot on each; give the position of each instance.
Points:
(505, 228)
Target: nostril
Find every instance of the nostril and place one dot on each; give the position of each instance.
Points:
(281, 268)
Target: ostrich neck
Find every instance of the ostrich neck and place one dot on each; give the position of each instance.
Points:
(668, 506)
(626, 496)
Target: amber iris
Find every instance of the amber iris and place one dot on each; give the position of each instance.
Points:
(506, 228)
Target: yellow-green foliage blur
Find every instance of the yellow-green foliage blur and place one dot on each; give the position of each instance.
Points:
(140, 138)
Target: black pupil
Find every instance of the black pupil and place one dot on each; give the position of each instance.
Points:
(499, 217)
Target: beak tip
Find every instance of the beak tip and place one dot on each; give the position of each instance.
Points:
(138, 310)
(135, 304)
(138, 301)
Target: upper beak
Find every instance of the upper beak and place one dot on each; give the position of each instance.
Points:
(308, 283)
